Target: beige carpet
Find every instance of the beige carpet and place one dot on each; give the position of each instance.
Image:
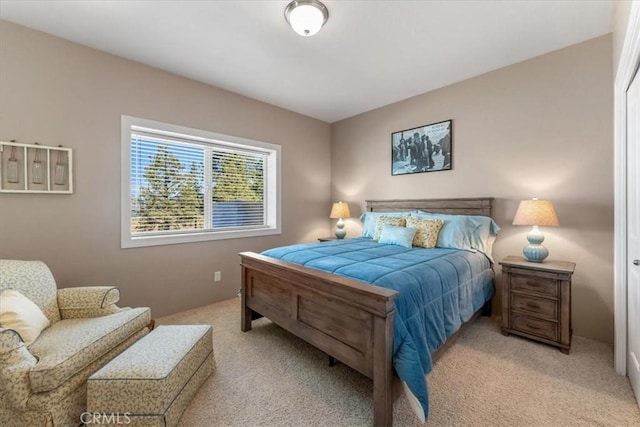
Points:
(267, 377)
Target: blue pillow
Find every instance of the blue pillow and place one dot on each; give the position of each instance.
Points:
(484, 230)
(394, 235)
(488, 225)
(368, 220)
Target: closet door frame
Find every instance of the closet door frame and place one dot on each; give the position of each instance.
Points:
(629, 61)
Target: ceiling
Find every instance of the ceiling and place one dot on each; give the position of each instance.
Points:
(369, 54)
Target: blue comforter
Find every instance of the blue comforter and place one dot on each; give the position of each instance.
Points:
(439, 289)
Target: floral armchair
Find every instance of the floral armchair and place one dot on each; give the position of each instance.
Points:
(43, 383)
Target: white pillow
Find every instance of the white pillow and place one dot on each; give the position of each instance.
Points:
(19, 313)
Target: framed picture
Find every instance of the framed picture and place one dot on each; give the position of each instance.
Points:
(422, 149)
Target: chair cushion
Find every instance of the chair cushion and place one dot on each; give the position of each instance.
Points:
(19, 313)
(69, 345)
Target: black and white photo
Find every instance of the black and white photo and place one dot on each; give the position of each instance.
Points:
(421, 149)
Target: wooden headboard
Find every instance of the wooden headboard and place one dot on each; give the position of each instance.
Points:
(460, 206)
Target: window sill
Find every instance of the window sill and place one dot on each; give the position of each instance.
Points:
(142, 241)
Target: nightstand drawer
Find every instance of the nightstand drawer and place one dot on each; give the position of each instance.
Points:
(539, 327)
(538, 307)
(539, 285)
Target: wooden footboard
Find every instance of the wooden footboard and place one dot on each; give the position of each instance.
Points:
(346, 319)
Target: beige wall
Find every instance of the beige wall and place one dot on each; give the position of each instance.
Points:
(57, 92)
(621, 13)
(539, 128)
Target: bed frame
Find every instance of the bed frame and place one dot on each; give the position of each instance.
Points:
(347, 319)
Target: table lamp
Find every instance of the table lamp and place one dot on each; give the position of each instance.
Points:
(535, 213)
(340, 210)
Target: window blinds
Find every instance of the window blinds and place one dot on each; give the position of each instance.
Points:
(179, 185)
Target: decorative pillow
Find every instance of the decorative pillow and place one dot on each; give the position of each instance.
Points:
(390, 220)
(454, 232)
(19, 313)
(427, 231)
(393, 235)
(369, 219)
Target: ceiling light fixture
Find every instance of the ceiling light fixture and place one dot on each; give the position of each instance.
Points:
(306, 17)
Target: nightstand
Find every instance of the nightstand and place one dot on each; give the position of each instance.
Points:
(536, 300)
(327, 239)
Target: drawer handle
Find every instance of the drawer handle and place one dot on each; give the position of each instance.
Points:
(532, 305)
(533, 326)
(533, 284)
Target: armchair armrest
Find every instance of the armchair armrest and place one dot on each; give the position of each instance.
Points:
(88, 301)
(15, 363)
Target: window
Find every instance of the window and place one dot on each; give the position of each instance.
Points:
(184, 185)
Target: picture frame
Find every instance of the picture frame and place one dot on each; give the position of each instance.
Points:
(422, 149)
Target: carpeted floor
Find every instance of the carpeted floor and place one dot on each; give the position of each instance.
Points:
(267, 377)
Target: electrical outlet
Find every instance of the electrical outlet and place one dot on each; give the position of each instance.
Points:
(217, 276)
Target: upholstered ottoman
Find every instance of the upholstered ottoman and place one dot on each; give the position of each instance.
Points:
(152, 382)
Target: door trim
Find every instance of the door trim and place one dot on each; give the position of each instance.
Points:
(629, 61)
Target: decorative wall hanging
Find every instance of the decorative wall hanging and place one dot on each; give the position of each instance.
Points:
(422, 149)
(36, 168)
(59, 173)
(30, 168)
(13, 175)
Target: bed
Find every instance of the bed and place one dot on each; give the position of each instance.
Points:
(342, 314)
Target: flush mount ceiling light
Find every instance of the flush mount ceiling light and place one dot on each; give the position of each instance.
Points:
(306, 17)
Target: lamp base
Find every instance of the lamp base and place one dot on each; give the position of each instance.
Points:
(340, 233)
(535, 253)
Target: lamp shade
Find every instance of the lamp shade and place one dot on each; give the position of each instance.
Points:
(536, 212)
(340, 210)
(306, 17)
